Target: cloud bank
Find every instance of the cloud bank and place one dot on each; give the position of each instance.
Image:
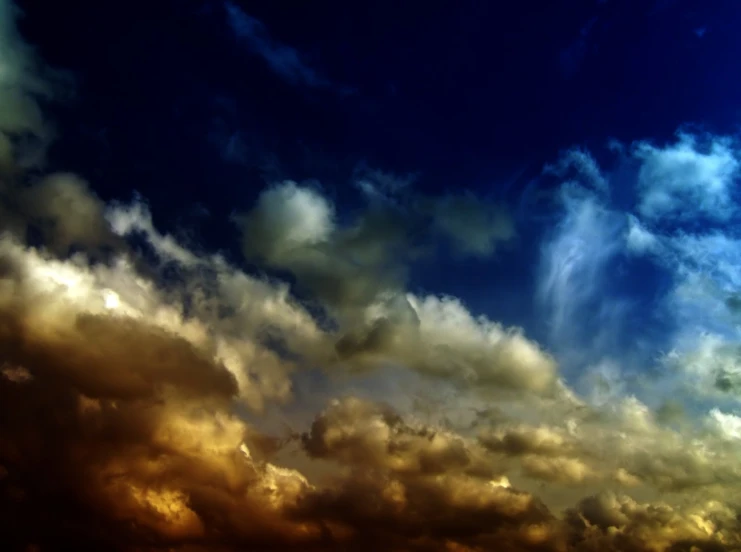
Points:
(141, 396)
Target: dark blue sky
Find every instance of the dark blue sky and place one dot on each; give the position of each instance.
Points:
(467, 94)
(200, 105)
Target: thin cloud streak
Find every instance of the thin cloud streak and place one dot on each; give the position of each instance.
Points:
(285, 61)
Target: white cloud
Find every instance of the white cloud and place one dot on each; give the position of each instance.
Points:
(439, 337)
(686, 178)
(729, 425)
(288, 217)
(711, 366)
(23, 80)
(575, 265)
(704, 270)
(477, 349)
(127, 219)
(639, 239)
(584, 166)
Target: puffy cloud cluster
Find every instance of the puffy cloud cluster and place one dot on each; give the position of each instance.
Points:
(351, 265)
(687, 178)
(118, 405)
(615, 522)
(116, 409)
(440, 337)
(356, 432)
(122, 430)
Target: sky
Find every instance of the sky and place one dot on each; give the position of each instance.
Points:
(331, 276)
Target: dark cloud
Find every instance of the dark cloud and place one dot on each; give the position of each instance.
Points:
(352, 265)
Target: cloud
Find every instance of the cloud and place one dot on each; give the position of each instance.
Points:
(144, 383)
(292, 228)
(125, 220)
(701, 268)
(357, 432)
(577, 260)
(288, 218)
(712, 366)
(24, 81)
(639, 239)
(353, 265)
(687, 178)
(572, 57)
(474, 225)
(60, 207)
(142, 399)
(137, 404)
(439, 337)
(475, 229)
(611, 522)
(358, 273)
(285, 61)
(584, 167)
(145, 378)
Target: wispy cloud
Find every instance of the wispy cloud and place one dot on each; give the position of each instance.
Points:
(572, 57)
(284, 60)
(579, 166)
(578, 263)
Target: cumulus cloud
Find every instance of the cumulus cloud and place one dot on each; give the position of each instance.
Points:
(701, 268)
(439, 337)
(137, 403)
(357, 432)
(357, 271)
(687, 178)
(711, 367)
(286, 218)
(639, 239)
(61, 208)
(612, 522)
(122, 403)
(353, 265)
